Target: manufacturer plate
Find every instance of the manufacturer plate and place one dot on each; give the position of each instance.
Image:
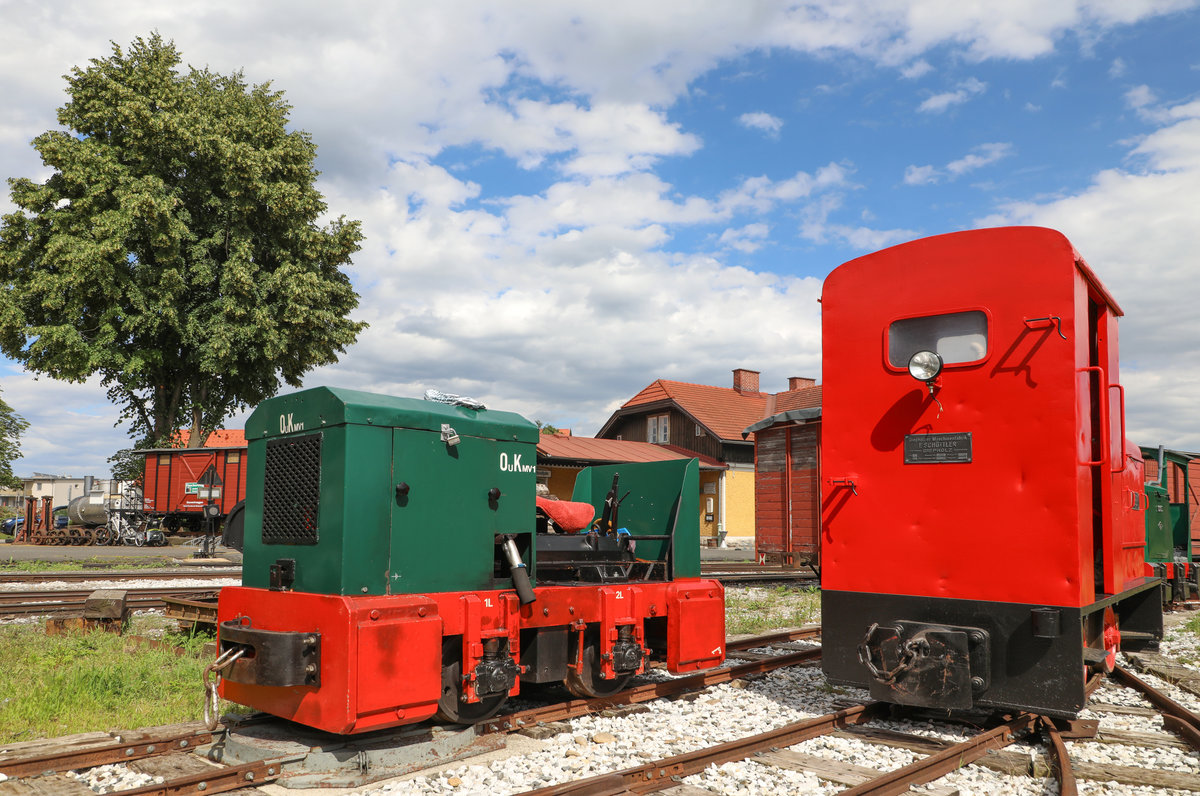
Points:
(937, 448)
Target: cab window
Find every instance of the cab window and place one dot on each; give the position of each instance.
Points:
(957, 337)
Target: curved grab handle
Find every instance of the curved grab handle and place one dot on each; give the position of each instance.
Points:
(1102, 400)
(1053, 320)
(1121, 390)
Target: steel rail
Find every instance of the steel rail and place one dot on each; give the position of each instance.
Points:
(1062, 760)
(207, 573)
(118, 751)
(660, 774)
(219, 780)
(68, 600)
(1176, 717)
(782, 637)
(944, 762)
(572, 708)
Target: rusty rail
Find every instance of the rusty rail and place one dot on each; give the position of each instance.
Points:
(118, 751)
(68, 600)
(644, 693)
(1062, 760)
(660, 774)
(1176, 717)
(942, 763)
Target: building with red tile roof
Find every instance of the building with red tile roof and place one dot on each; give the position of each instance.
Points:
(562, 456)
(708, 421)
(220, 438)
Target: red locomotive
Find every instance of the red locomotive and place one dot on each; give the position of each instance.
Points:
(397, 566)
(982, 538)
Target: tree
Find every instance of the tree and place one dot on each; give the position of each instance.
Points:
(11, 427)
(175, 248)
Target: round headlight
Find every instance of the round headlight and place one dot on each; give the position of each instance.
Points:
(925, 366)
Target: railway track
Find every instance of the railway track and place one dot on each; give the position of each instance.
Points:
(746, 572)
(938, 757)
(50, 602)
(191, 573)
(1044, 750)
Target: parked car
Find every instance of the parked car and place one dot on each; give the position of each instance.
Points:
(10, 525)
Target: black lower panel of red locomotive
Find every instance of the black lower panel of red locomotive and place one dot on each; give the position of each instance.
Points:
(959, 654)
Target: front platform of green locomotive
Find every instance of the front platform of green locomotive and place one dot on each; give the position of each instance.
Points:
(390, 569)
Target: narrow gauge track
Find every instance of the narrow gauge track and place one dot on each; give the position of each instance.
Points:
(744, 572)
(941, 757)
(82, 752)
(36, 603)
(195, 573)
(769, 748)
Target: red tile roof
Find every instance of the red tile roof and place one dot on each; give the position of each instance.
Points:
(588, 449)
(722, 410)
(804, 398)
(221, 438)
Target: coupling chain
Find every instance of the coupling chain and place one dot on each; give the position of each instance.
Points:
(908, 653)
(211, 700)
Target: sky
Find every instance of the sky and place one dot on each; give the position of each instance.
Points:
(564, 201)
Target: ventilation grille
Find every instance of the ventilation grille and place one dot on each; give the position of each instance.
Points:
(292, 490)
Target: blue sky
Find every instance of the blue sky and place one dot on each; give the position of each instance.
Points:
(565, 201)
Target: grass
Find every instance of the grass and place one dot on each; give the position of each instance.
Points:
(83, 682)
(132, 562)
(757, 610)
(1193, 625)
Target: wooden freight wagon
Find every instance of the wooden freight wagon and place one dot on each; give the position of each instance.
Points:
(179, 482)
(787, 515)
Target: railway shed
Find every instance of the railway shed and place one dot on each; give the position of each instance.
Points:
(787, 486)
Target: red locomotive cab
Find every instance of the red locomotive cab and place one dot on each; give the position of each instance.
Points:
(975, 474)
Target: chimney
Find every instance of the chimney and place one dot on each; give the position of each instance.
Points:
(745, 381)
(800, 383)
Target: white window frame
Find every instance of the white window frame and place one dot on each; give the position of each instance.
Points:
(658, 429)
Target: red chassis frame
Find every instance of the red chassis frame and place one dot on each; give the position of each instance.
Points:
(381, 656)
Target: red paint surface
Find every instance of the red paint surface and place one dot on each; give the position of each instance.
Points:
(386, 671)
(1015, 524)
(165, 488)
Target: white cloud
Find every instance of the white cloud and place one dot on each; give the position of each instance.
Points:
(916, 69)
(982, 155)
(746, 239)
(939, 103)
(1137, 229)
(979, 157)
(771, 125)
(561, 297)
(1139, 97)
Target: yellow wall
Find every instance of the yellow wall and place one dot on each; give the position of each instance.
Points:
(739, 498)
(739, 503)
(562, 481)
(712, 480)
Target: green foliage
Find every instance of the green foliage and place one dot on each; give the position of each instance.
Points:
(129, 464)
(11, 427)
(175, 248)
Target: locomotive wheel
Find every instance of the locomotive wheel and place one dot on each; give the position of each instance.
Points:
(588, 684)
(451, 707)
